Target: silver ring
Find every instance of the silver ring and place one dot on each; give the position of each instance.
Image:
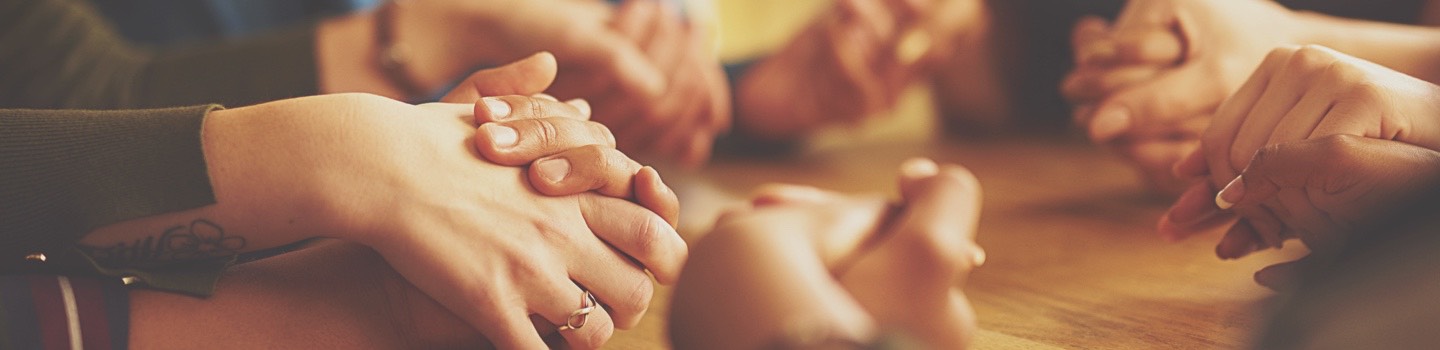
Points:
(578, 318)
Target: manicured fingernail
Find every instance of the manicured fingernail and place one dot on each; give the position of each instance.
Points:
(1231, 194)
(919, 168)
(1109, 122)
(553, 170)
(501, 136)
(499, 109)
(580, 104)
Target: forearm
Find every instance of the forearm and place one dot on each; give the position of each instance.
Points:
(1413, 50)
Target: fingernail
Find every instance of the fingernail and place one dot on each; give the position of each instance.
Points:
(553, 170)
(499, 109)
(919, 168)
(501, 136)
(1231, 194)
(978, 258)
(580, 104)
(1109, 122)
(658, 180)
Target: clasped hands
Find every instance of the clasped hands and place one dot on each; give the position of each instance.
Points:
(442, 192)
(1314, 142)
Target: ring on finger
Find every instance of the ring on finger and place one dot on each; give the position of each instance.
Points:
(579, 317)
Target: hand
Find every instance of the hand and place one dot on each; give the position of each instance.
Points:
(1315, 190)
(683, 123)
(1310, 92)
(471, 234)
(517, 131)
(1304, 94)
(1219, 43)
(800, 260)
(853, 61)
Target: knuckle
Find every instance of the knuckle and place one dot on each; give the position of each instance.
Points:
(606, 136)
(599, 334)
(1280, 55)
(646, 240)
(1310, 57)
(636, 303)
(547, 134)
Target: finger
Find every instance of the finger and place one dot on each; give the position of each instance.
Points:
(1264, 223)
(583, 169)
(520, 142)
(618, 283)
(561, 299)
(628, 68)
(1150, 48)
(940, 213)
(1192, 165)
(633, 18)
(1095, 84)
(668, 32)
(524, 77)
(1274, 167)
(1194, 212)
(1089, 40)
(1280, 276)
(1300, 121)
(851, 54)
(870, 17)
(1282, 95)
(1172, 96)
(515, 107)
(777, 194)
(1238, 242)
(507, 326)
(1230, 117)
(1306, 220)
(652, 193)
(639, 234)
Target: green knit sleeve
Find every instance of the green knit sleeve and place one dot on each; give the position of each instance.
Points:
(64, 173)
(59, 54)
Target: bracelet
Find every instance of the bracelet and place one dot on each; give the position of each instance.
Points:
(392, 64)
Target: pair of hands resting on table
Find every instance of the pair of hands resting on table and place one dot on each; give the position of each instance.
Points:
(798, 267)
(439, 191)
(1313, 144)
(1149, 83)
(651, 75)
(804, 268)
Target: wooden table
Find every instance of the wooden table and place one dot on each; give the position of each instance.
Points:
(1074, 261)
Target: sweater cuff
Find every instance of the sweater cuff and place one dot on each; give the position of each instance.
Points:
(70, 172)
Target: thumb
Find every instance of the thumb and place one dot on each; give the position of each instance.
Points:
(528, 76)
(1172, 96)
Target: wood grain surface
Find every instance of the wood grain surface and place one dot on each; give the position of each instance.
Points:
(1074, 260)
